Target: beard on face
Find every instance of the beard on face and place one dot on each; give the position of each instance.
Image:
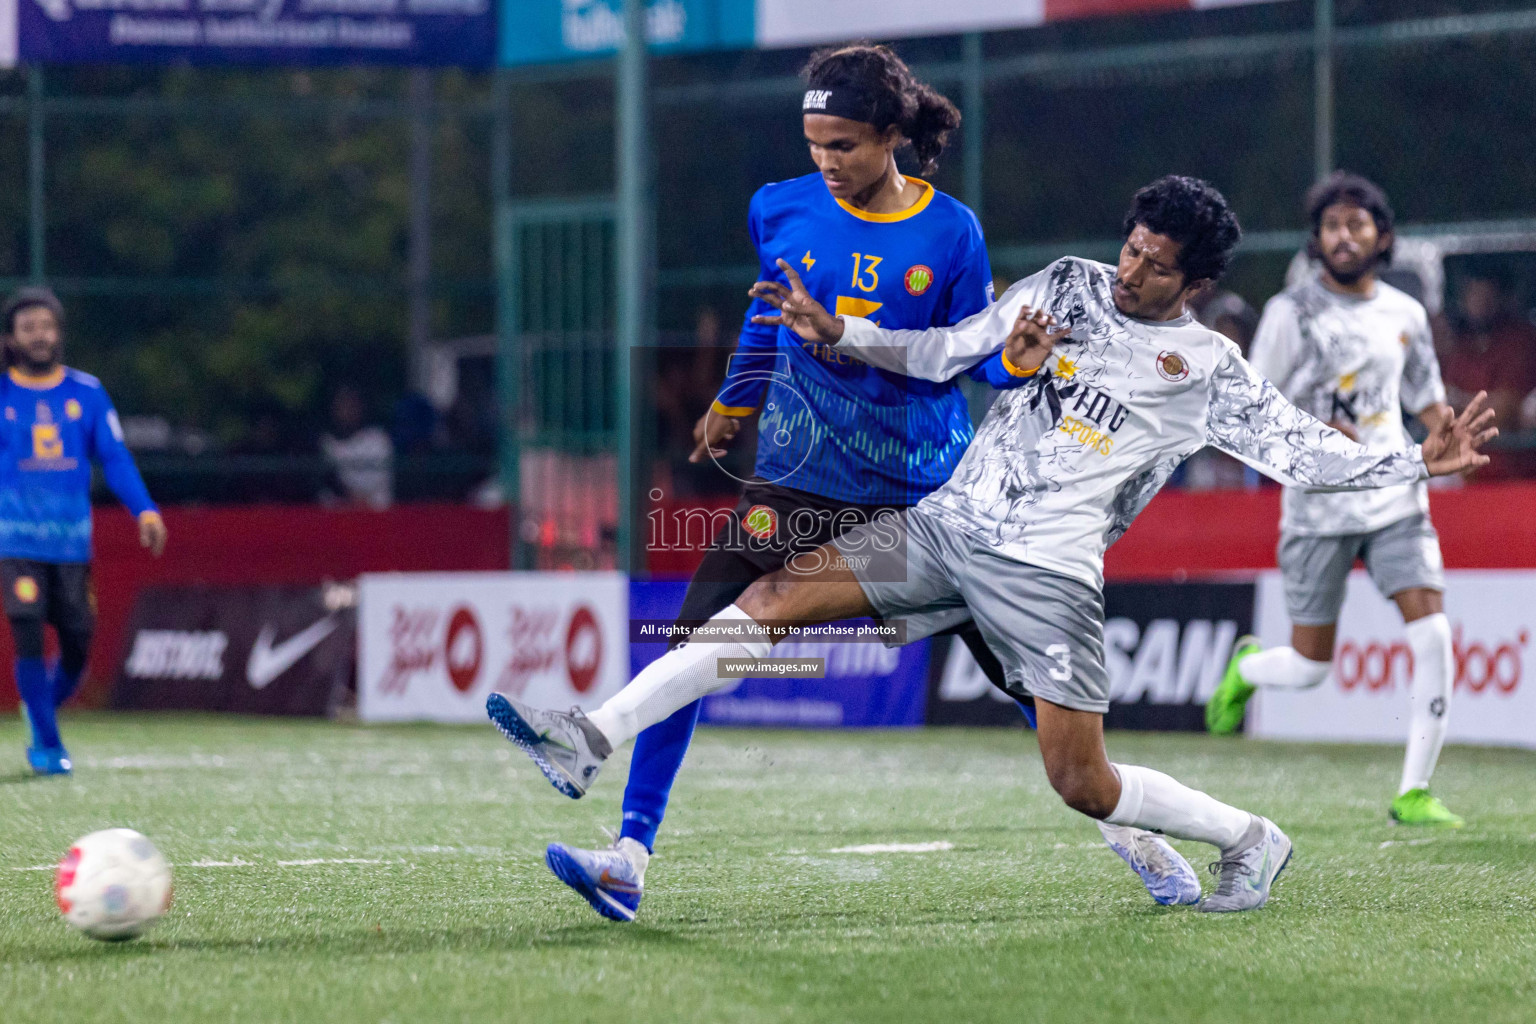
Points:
(1350, 276)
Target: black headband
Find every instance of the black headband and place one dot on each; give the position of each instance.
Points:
(843, 101)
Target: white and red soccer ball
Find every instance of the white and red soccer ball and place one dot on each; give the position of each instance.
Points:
(113, 884)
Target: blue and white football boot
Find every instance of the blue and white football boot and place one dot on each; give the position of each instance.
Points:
(568, 748)
(49, 760)
(1168, 876)
(611, 880)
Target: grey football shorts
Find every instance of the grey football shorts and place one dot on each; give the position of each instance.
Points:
(1047, 629)
(1401, 556)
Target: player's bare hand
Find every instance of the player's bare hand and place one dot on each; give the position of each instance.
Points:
(1452, 447)
(711, 433)
(797, 310)
(1346, 429)
(152, 533)
(1030, 342)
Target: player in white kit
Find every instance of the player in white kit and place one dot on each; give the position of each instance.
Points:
(1126, 386)
(1355, 352)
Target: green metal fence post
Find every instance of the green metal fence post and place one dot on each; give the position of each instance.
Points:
(508, 266)
(635, 259)
(973, 127)
(1322, 88)
(36, 155)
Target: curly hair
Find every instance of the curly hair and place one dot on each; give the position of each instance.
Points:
(1191, 212)
(923, 116)
(1356, 190)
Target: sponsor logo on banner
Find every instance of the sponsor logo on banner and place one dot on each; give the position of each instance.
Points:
(261, 650)
(433, 646)
(1165, 646)
(177, 654)
(1365, 697)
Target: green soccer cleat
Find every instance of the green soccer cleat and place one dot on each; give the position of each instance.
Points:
(1418, 807)
(1224, 711)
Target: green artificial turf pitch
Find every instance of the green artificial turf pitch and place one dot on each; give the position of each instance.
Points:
(343, 873)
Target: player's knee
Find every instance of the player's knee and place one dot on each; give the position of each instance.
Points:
(769, 597)
(1084, 791)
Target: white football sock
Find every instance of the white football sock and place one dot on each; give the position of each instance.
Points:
(676, 679)
(1283, 668)
(1159, 803)
(1429, 697)
(637, 854)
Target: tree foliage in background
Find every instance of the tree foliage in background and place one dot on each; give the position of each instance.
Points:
(228, 270)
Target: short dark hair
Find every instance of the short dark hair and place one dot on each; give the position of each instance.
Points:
(924, 117)
(1194, 214)
(1356, 190)
(25, 298)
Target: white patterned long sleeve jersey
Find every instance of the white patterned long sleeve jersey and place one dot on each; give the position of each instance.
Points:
(1361, 361)
(1061, 466)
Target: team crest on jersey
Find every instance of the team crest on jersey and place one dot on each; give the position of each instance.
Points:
(72, 409)
(1171, 366)
(761, 521)
(918, 279)
(26, 589)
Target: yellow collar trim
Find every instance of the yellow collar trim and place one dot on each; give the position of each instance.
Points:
(890, 218)
(52, 380)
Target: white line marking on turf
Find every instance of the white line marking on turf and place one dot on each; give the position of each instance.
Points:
(326, 860)
(896, 848)
(1407, 843)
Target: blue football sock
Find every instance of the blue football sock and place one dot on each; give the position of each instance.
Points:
(653, 766)
(64, 683)
(37, 694)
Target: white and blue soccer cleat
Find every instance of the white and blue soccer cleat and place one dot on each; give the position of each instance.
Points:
(49, 760)
(1248, 871)
(611, 880)
(1168, 876)
(568, 748)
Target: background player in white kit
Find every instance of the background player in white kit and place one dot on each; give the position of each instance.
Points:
(1355, 352)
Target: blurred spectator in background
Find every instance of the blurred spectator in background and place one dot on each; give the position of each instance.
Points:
(362, 456)
(1493, 349)
(267, 460)
(688, 373)
(1229, 314)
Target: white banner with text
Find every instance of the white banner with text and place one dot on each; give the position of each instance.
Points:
(433, 646)
(1365, 697)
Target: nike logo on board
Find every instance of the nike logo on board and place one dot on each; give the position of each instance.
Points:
(269, 660)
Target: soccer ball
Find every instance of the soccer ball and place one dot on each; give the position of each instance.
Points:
(113, 884)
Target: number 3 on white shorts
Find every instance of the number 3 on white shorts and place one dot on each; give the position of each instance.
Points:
(1061, 654)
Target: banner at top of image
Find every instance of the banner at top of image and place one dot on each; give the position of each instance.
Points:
(307, 32)
(537, 31)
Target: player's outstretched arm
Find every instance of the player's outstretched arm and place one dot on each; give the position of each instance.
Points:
(1454, 442)
(797, 310)
(1249, 419)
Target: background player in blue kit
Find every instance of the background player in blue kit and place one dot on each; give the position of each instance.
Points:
(838, 440)
(56, 421)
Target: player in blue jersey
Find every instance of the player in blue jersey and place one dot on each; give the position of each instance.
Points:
(838, 441)
(56, 421)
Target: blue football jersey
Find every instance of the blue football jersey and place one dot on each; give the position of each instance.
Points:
(51, 431)
(832, 425)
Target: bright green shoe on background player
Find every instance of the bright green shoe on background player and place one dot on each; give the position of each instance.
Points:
(1224, 711)
(1418, 807)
